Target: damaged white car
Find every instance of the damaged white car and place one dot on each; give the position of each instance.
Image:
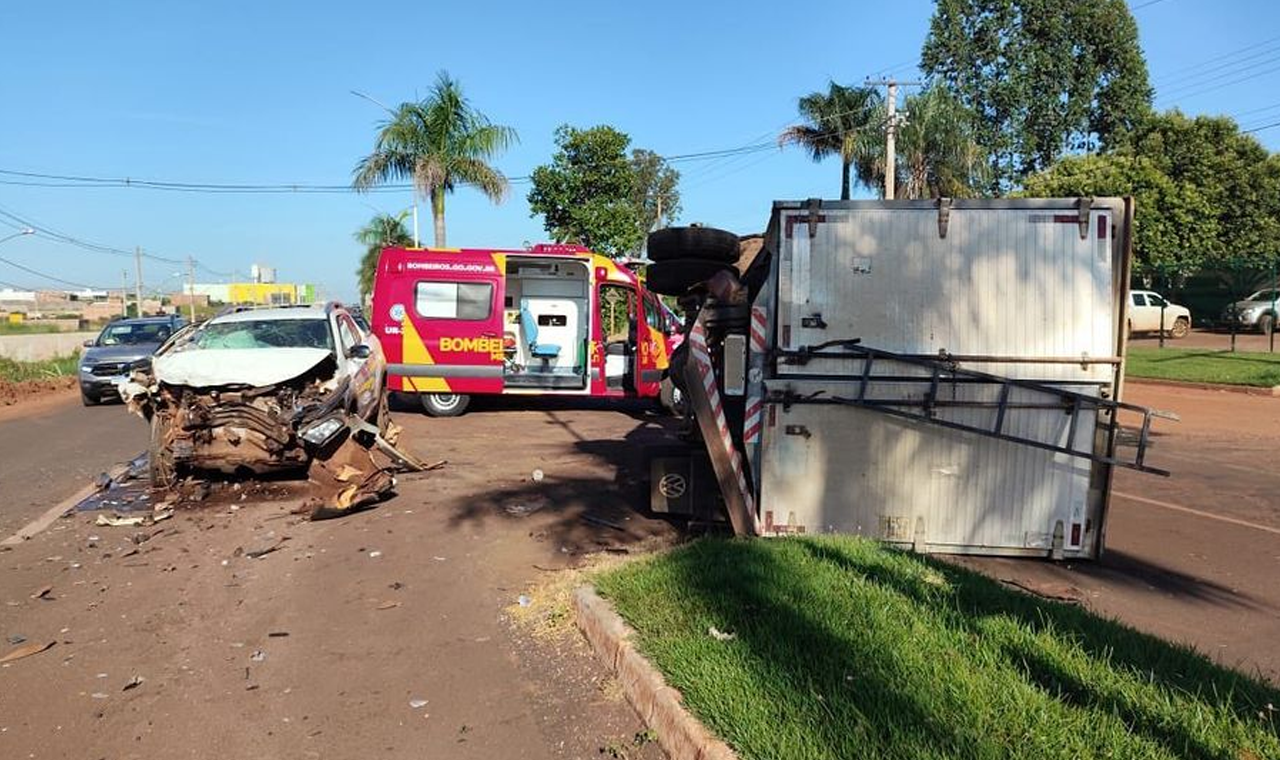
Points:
(258, 391)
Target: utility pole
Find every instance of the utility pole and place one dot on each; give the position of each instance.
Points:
(191, 288)
(137, 263)
(890, 134)
(124, 293)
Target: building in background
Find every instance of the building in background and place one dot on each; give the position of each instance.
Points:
(262, 289)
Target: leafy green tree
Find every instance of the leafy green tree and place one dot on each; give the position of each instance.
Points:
(1044, 77)
(439, 142)
(1205, 193)
(655, 192)
(586, 194)
(382, 231)
(938, 153)
(843, 121)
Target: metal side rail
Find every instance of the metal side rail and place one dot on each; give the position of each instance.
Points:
(921, 382)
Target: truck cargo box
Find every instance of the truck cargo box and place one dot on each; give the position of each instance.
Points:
(939, 374)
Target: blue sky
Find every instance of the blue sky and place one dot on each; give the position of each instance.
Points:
(259, 92)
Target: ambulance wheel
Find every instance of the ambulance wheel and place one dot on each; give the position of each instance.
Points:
(676, 276)
(709, 243)
(444, 404)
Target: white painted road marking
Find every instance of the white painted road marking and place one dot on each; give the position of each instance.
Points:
(1196, 512)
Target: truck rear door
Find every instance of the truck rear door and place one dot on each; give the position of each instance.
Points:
(451, 322)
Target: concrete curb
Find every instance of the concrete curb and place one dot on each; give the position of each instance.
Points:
(1248, 390)
(661, 707)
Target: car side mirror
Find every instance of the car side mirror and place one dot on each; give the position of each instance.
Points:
(88, 343)
(360, 351)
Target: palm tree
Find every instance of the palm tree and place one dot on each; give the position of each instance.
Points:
(842, 121)
(439, 142)
(938, 152)
(382, 231)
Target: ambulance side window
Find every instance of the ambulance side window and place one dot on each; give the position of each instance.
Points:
(653, 313)
(454, 300)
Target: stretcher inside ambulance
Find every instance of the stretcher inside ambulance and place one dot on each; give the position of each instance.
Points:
(553, 319)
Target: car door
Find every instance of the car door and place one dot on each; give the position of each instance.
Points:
(1141, 317)
(361, 370)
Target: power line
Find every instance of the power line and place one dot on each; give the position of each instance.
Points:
(1147, 4)
(1174, 82)
(1213, 87)
(1272, 125)
(37, 273)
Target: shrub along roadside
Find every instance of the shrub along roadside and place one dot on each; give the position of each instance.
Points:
(842, 648)
(17, 372)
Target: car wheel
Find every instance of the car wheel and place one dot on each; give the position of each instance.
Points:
(445, 404)
(89, 400)
(674, 243)
(1181, 328)
(161, 467)
(1266, 323)
(676, 276)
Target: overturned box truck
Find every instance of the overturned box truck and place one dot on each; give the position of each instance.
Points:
(943, 375)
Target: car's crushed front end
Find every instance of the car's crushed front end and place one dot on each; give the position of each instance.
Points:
(239, 411)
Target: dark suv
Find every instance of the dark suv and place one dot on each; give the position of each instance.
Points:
(123, 346)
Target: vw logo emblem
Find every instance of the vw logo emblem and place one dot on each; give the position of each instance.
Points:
(672, 485)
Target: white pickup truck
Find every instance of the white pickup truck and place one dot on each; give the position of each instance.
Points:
(1147, 309)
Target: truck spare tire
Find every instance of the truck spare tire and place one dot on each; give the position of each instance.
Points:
(676, 276)
(708, 243)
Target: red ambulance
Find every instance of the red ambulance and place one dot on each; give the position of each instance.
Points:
(552, 319)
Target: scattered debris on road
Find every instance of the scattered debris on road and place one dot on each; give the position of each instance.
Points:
(27, 650)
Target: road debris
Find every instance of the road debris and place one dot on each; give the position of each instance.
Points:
(44, 592)
(258, 656)
(524, 601)
(133, 683)
(720, 635)
(418, 704)
(264, 551)
(34, 647)
(388, 605)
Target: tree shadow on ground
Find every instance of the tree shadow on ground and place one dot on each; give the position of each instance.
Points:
(1171, 667)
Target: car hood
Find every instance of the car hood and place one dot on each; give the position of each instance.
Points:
(206, 368)
(131, 352)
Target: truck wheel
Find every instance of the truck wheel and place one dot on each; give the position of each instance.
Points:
(1181, 327)
(1266, 323)
(161, 467)
(675, 276)
(444, 404)
(708, 243)
(671, 397)
(88, 400)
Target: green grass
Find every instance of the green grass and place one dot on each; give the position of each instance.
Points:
(15, 371)
(22, 328)
(1205, 366)
(845, 649)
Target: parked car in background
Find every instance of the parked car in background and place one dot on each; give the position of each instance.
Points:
(1257, 312)
(122, 347)
(258, 390)
(1146, 310)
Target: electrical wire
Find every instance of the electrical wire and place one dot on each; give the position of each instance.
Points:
(37, 273)
(1272, 125)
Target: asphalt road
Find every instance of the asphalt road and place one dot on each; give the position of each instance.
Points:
(1213, 340)
(53, 447)
(389, 633)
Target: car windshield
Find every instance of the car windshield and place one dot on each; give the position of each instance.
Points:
(266, 333)
(134, 334)
(1263, 295)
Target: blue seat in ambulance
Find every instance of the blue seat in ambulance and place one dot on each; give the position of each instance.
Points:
(530, 325)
